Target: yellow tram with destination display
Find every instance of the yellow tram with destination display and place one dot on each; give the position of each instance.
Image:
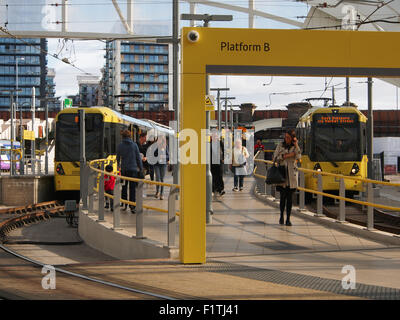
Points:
(333, 139)
(102, 131)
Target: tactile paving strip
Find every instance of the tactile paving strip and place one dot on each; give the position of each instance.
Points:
(301, 281)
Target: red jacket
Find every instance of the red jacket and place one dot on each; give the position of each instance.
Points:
(258, 147)
(109, 182)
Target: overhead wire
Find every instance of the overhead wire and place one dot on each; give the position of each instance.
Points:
(43, 51)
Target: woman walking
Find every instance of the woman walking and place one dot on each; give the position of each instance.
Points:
(160, 166)
(286, 154)
(240, 155)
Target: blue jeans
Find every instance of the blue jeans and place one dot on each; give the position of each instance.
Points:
(131, 184)
(238, 181)
(159, 170)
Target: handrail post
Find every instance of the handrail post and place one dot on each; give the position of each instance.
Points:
(319, 197)
(116, 205)
(101, 194)
(302, 194)
(342, 203)
(139, 210)
(172, 216)
(268, 187)
(370, 212)
(84, 185)
(82, 160)
(91, 183)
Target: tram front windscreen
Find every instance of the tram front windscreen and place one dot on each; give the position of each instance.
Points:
(336, 137)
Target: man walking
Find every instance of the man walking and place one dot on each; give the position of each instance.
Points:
(130, 164)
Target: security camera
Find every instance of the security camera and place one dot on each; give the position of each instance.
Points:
(193, 36)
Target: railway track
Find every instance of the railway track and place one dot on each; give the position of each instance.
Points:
(24, 277)
(21, 216)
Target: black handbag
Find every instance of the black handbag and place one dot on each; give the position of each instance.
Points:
(276, 174)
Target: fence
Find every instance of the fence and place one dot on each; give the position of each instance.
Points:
(93, 182)
(12, 165)
(260, 172)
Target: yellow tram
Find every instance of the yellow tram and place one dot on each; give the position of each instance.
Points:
(102, 130)
(333, 139)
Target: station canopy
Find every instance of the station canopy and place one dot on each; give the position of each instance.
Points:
(370, 15)
(89, 19)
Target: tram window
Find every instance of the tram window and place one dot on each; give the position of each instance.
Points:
(112, 138)
(107, 140)
(335, 140)
(67, 136)
(94, 134)
(89, 123)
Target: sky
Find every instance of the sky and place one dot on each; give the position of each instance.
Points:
(265, 92)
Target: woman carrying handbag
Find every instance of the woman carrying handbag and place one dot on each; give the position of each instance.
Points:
(240, 155)
(286, 154)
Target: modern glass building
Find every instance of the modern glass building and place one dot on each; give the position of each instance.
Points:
(88, 87)
(22, 65)
(53, 103)
(144, 73)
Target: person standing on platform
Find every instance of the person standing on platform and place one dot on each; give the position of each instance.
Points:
(240, 155)
(109, 184)
(217, 160)
(286, 154)
(162, 155)
(143, 146)
(258, 147)
(130, 164)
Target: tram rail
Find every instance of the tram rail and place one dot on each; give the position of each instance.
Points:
(43, 211)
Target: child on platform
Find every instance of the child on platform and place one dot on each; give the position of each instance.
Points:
(109, 183)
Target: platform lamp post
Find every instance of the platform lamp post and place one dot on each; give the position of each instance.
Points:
(206, 18)
(226, 109)
(219, 104)
(46, 114)
(12, 127)
(22, 160)
(21, 168)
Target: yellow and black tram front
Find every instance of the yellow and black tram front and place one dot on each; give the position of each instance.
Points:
(101, 136)
(334, 140)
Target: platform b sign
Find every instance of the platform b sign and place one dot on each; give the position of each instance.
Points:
(49, 280)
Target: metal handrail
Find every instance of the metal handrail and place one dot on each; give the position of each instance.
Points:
(110, 196)
(98, 186)
(341, 197)
(324, 173)
(130, 178)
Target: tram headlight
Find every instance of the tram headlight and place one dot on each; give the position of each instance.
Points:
(60, 169)
(317, 167)
(355, 169)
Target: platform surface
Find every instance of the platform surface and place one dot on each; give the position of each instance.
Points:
(249, 255)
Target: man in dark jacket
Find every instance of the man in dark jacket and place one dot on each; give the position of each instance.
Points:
(217, 160)
(130, 163)
(143, 146)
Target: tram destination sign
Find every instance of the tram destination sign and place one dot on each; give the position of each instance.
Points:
(323, 119)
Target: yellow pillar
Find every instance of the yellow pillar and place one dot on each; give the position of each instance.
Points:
(192, 236)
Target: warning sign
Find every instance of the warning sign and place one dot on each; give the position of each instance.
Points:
(29, 135)
(210, 103)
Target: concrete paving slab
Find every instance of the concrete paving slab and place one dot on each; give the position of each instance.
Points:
(251, 250)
